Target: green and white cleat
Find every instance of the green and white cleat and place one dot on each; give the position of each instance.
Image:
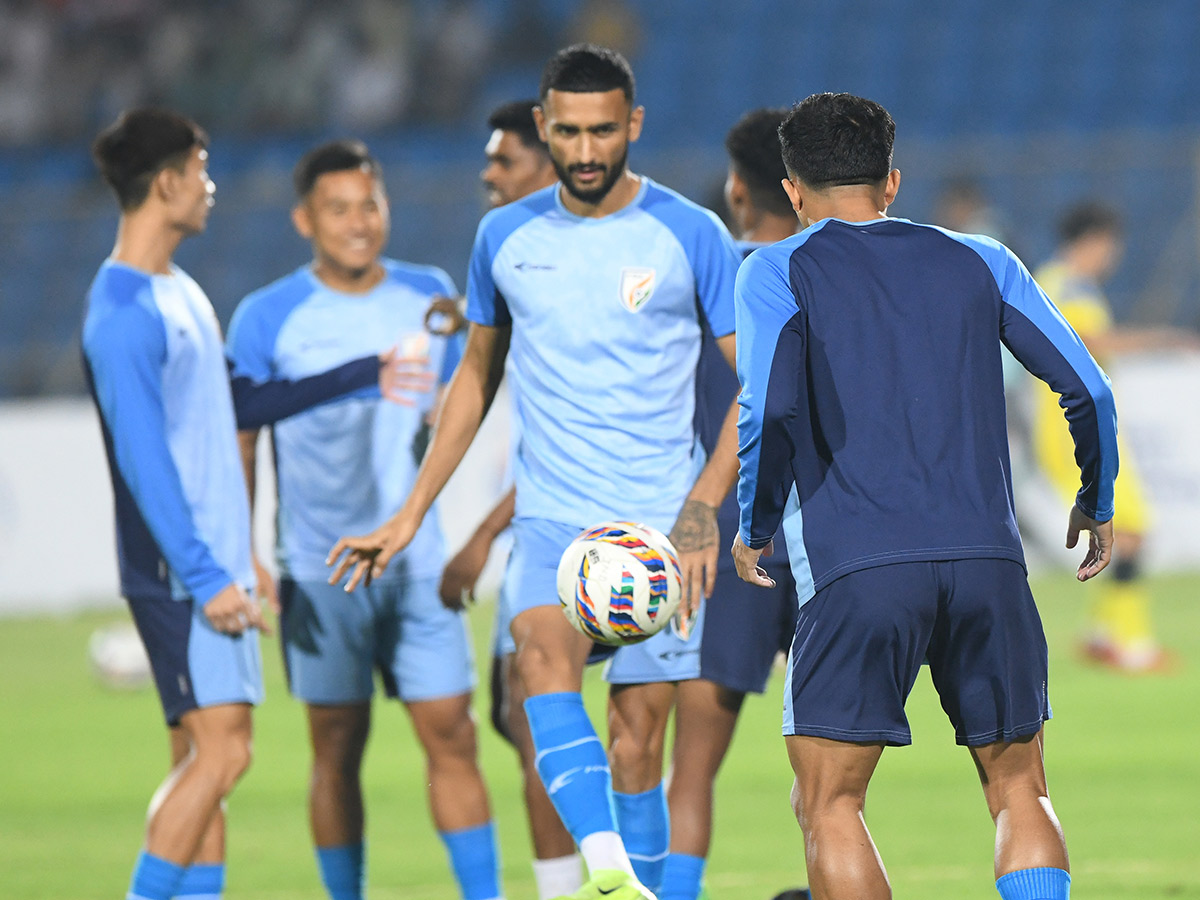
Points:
(612, 884)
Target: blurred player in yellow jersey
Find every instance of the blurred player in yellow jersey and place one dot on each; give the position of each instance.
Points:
(1119, 631)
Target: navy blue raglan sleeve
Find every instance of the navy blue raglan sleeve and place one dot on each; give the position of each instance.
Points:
(260, 397)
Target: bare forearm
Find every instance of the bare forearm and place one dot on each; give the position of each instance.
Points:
(499, 517)
(467, 400)
(248, 445)
(721, 472)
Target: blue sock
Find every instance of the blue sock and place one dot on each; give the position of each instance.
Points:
(645, 829)
(475, 859)
(572, 763)
(682, 876)
(1035, 884)
(343, 870)
(202, 882)
(153, 878)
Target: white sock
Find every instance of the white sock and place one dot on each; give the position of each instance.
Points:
(605, 850)
(559, 876)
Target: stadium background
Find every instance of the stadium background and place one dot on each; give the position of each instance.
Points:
(1038, 104)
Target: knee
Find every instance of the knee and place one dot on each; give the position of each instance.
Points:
(813, 804)
(226, 761)
(451, 739)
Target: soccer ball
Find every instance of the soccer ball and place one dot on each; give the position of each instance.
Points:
(118, 658)
(619, 582)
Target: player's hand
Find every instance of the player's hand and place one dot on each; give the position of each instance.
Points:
(1100, 543)
(366, 557)
(400, 377)
(697, 541)
(746, 560)
(457, 587)
(444, 316)
(231, 611)
(264, 587)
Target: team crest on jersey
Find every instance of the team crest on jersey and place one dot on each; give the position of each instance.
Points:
(637, 284)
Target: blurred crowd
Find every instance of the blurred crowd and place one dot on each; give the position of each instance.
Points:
(67, 67)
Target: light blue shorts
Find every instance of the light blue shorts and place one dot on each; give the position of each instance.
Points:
(333, 642)
(531, 580)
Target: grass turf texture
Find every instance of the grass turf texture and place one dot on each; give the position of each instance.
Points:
(78, 764)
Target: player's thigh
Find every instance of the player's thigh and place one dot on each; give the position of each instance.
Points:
(858, 648)
(745, 628)
(327, 637)
(829, 773)
(423, 650)
(1011, 768)
(639, 713)
(550, 654)
(195, 665)
(987, 653)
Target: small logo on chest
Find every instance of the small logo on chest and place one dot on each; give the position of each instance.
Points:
(637, 284)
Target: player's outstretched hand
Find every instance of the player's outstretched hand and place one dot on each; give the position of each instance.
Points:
(366, 557)
(444, 316)
(232, 611)
(1100, 543)
(400, 377)
(697, 541)
(746, 561)
(457, 587)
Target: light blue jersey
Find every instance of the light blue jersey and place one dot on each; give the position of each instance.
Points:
(606, 321)
(152, 349)
(343, 465)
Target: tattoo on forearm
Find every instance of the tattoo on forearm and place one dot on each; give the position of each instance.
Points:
(696, 527)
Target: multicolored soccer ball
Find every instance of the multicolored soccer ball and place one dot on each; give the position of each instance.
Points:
(619, 582)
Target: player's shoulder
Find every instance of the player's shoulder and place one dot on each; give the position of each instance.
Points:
(284, 291)
(267, 307)
(499, 223)
(677, 212)
(120, 303)
(423, 278)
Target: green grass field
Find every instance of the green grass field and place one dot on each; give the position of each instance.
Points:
(78, 764)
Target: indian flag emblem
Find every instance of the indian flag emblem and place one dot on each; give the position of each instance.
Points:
(637, 284)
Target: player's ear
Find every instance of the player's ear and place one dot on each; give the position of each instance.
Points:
(302, 221)
(165, 183)
(539, 119)
(891, 187)
(790, 188)
(636, 118)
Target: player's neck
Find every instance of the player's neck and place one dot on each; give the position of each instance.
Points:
(146, 243)
(348, 281)
(768, 229)
(623, 193)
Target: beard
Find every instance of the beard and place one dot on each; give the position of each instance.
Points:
(591, 195)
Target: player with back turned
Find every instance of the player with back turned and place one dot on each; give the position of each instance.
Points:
(593, 291)
(153, 360)
(872, 430)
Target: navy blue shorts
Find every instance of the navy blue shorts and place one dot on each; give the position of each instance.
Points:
(861, 640)
(745, 628)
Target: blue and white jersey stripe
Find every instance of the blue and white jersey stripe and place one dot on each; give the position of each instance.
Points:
(870, 365)
(304, 358)
(152, 352)
(606, 320)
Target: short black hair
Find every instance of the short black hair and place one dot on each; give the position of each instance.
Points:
(140, 144)
(1086, 219)
(335, 156)
(517, 117)
(587, 69)
(835, 139)
(755, 155)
